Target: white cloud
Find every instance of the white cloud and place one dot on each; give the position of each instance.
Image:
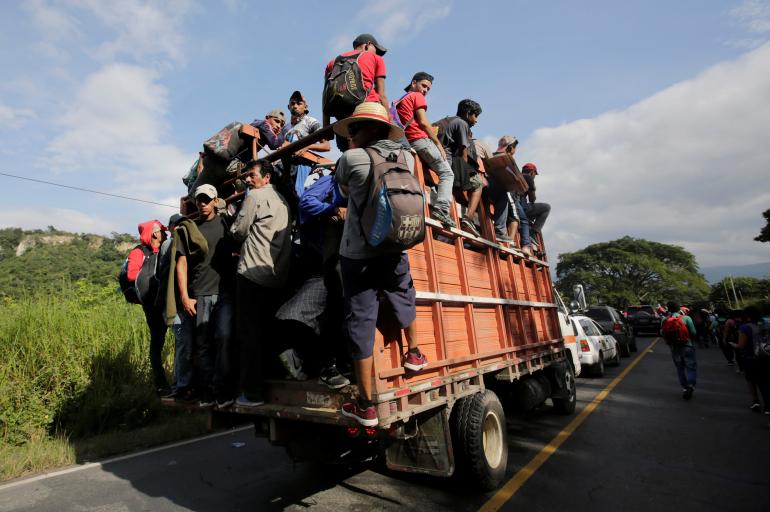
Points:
(688, 165)
(61, 218)
(754, 15)
(115, 128)
(53, 21)
(397, 21)
(13, 118)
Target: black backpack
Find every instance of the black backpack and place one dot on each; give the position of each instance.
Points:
(344, 87)
(144, 288)
(393, 213)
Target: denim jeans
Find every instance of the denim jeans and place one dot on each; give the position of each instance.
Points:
(430, 155)
(537, 213)
(157, 325)
(183, 342)
(686, 367)
(211, 330)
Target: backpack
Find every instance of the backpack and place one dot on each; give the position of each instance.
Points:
(393, 214)
(394, 114)
(145, 287)
(344, 86)
(675, 331)
(760, 337)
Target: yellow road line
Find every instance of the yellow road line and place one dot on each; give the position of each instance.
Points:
(518, 480)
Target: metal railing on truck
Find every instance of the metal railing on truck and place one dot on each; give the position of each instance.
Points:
(482, 307)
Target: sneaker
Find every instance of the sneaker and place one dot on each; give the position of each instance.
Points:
(332, 378)
(187, 395)
(164, 392)
(442, 217)
(366, 417)
(730, 363)
(415, 362)
(224, 403)
(207, 400)
(756, 407)
(293, 364)
(468, 225)
(252, 400)
(504, 239)
(687, 393)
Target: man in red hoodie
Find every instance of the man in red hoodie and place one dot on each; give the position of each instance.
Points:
(142, 266)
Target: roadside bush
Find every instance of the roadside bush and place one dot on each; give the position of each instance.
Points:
(73, 364)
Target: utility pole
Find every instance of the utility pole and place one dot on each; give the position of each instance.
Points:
(724, 285)
(735, 295)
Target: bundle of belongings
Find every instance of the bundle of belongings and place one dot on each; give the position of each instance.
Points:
(224, 155)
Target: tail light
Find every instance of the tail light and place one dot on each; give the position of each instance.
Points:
(370, 431)
(353, 431)
(618, 327)
(584, 346)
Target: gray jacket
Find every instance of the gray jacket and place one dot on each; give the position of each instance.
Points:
(262, 227)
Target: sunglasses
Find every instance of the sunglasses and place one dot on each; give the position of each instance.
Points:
(296, 102)
(203, 199)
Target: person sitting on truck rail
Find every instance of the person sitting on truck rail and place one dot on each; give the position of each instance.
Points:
(301, 125)
(411, 110)
(536, 212)
(455, 134)
(270, 128)
(368, 272)
(373, 75)
(262, 226)
(516, 216)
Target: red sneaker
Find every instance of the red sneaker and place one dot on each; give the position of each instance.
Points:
(366, 417)
(415, 362)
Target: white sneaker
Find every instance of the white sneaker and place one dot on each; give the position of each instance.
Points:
(293, 364)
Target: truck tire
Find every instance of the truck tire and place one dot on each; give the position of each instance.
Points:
(566, 406)
(479, 439)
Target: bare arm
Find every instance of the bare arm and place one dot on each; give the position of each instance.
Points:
(181, 282)
(421, 118)
(379, 86)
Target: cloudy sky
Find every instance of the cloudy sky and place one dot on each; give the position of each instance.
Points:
(649, 119)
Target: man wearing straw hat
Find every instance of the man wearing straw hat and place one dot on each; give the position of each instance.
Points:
(368, 272)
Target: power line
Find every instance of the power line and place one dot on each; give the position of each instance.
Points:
(87, 190)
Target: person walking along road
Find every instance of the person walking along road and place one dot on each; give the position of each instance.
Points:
(678, 332)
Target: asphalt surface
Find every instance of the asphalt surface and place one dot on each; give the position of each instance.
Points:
(643, 448)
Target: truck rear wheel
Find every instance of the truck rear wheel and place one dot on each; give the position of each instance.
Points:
(480, 440)
(566, 405)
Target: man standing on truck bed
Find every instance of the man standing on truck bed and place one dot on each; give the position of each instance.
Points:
(411, 109)
(367, 271)
(262, 227)
(206, 294)
(362, 69)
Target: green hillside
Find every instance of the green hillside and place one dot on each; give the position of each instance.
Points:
(43, 260)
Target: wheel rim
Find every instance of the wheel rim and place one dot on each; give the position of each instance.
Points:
(569, 383)
(492, 439)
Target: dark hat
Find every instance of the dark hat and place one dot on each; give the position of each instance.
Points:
(420, 75)
(530, 167)
(175, 219)
(368, 38)
(297, 96)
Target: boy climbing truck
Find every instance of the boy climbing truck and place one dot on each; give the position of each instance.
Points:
(487, 323)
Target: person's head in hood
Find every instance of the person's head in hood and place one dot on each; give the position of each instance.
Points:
(152, 233)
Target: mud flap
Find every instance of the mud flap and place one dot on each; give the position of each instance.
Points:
(556, 376)
(422, 445)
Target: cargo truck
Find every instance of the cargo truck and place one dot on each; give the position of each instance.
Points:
(487, 321)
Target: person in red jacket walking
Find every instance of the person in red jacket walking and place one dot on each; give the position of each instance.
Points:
(152, 234)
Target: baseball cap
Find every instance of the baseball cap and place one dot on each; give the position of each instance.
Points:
(368, 38)
(277, 113)
(296, 95)
(529, 166)
(505, 141)
(175, 219)
(206, 190)
(420, 75)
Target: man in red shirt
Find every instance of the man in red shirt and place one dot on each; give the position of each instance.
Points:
(373, 75)
(411, 109)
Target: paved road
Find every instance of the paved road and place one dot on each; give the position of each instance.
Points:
(643, 448)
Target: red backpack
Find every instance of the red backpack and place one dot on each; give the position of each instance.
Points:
(675, 331)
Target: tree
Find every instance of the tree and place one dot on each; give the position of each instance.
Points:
(748, 289)
(631, 271)
(764, 235)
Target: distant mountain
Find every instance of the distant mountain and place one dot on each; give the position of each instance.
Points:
(716, 274)
(41, 260)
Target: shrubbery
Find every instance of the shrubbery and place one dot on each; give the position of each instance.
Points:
(74, 363)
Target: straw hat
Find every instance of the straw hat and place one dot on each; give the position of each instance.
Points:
(368, 111)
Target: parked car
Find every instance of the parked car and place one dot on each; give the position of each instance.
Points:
(643, 319)
(612, 322)
(567, 332)
(596, 349)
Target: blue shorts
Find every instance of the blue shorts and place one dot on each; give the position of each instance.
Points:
(364, 283)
